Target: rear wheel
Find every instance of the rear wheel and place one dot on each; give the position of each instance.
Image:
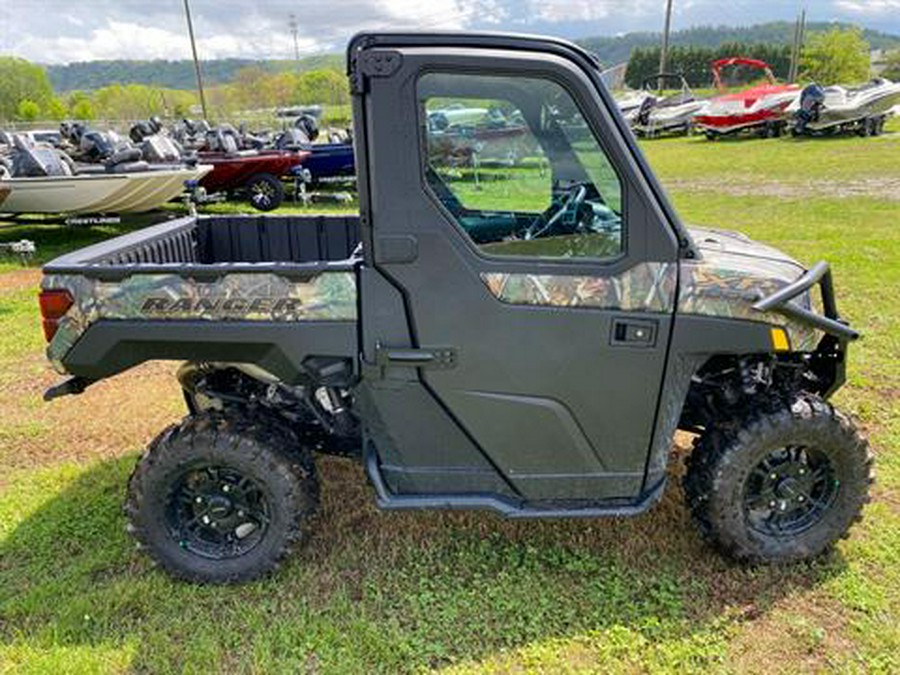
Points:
(782, 485)
(221, 499)
(266, 192)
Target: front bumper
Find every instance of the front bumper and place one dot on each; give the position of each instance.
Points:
(830, 324)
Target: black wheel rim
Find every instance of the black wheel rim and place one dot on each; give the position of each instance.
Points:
(217, 512)
(790, 491)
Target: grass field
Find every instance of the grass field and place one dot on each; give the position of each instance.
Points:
(379, 592)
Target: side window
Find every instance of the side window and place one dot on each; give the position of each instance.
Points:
(517, 166)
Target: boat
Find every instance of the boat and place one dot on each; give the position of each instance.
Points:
(630, 101)
(836, 109)
(328, 161)
(254, 173)
(668, 114)
(762, 108)
(332, 160)
(42, 182)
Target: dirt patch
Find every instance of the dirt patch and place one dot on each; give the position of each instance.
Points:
(799, 634)
(14, 281)
(879, 188)
(112, 417)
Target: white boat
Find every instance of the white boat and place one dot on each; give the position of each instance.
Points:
(672, 114)
(97, 193)
(837, 109)
(630, 101)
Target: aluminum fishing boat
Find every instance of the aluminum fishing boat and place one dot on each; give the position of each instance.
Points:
(37, 178)
(762, 108)
(98, 193)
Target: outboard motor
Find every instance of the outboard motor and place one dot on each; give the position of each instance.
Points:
(291, 139)
(221, 140)
(812, 99)
(140, 131)
(643, 113)
(95, 146)
(308, 125)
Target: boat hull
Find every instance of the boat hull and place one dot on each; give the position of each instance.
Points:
(231, 172)
(754, 108)
(97, 193)
(840, 115)
(678, 119)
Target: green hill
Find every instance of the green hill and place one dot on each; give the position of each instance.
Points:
(89, 75)
(612, 50)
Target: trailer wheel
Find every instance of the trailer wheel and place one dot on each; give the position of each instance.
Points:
(781, 485)
(222, 499)
(266, 191)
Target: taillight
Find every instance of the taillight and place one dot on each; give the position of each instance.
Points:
(54, 305)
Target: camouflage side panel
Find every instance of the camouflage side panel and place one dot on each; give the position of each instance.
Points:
(329, 296)
(726, 284)
(647, 287)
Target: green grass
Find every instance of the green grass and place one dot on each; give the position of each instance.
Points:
(380, 592)
(797, 160)
(53, 239)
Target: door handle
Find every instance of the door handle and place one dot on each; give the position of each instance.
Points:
(440, 358)
(634, 332)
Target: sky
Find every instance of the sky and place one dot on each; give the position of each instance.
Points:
(55, 31)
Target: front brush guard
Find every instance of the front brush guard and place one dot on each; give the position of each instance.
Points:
(830, 323)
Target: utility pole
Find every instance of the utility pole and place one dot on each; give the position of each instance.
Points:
(797, 50)
(292, 22)
(792, 71)
(190, 24)
(664, 50)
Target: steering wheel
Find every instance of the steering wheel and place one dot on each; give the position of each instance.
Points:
(575, 199)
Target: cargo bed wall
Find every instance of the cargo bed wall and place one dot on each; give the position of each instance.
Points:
(263, 290)
(217, 240)
(282, 239)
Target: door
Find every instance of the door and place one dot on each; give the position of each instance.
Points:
(508, 210)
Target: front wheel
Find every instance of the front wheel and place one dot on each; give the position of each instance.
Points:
(266, 192)
(780, 486)
(222, 499)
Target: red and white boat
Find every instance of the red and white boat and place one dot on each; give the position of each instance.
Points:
(762, 108)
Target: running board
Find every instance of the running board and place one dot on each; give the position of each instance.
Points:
(508, 508)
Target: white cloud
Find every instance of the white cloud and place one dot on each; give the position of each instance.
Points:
(225, 28)
(51, 31)
(868, 7)
(557, 11)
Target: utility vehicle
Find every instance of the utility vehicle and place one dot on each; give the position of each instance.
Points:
(527, 345)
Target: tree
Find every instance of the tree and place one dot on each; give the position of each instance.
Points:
(81, 106)
(56, 109)
(838, 55)
(892, 65)
(28, 110)
(20, 80)
(694, 62)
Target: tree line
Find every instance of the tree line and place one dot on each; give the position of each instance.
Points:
(836, 56)
(26, 94)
